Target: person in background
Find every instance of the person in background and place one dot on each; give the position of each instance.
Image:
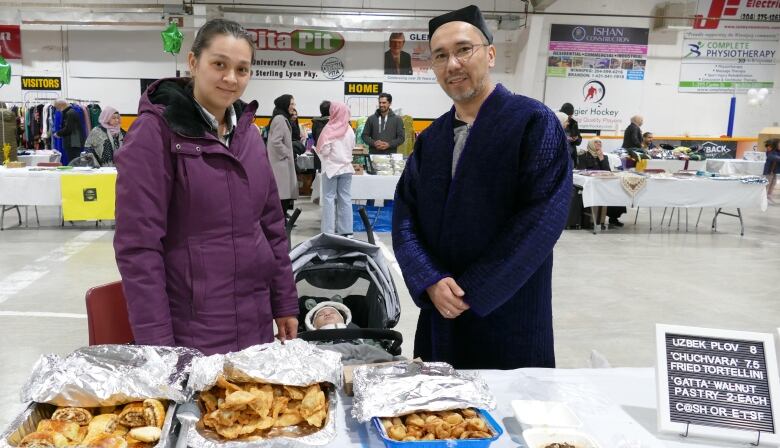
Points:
(481, 203)
(71, 131)
(572, 130)
(280, 151)
(772, 165)
(107, 137)
(200, 240)
(649, 147)
(298, 134)
(317, 125)
(384, 130)
(595, 159)
(335, 149)
(397, 61)
(632, 136)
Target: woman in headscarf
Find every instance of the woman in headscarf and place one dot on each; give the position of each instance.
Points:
(280, 150)
(335, 150)
(595, 159)
(106, 138)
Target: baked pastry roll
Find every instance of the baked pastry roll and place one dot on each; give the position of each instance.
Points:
(43, 439)
(67, 429)
(107, 441)
(154, 413)
(104, 424)
(78, 415)
(133, 415)
(146, 433)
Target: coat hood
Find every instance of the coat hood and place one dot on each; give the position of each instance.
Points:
(172, 99)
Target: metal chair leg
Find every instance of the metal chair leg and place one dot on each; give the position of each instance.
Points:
(650, 210)
(701, 209)
(37, 219)
(2, 217)
(18, 214)
(686, 220)
(636, 216)
(741, 224)
(663, 217)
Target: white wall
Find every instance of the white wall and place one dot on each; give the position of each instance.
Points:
(666, 112)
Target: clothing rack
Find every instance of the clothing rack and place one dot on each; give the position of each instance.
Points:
(79, 100)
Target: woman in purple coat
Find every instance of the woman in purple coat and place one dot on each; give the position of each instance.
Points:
(200, 240)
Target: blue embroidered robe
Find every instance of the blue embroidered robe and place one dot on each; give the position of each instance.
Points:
(491, 227)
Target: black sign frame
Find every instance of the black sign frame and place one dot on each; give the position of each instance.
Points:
(718, 384)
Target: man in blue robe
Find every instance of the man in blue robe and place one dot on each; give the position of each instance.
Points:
(481, 203)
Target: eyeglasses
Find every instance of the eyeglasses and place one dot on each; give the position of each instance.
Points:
(462, 54)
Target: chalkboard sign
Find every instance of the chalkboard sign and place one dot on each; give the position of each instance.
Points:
(718, 383)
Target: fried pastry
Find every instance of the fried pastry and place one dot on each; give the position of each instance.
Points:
(68, 429)
(146, 433)
(154, 413)
(81, 416)
(43, 439)
(132, 415)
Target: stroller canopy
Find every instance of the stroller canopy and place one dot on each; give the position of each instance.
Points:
(326, 250)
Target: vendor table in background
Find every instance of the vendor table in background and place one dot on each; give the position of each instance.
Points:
(694, 192)
(44, 155)
(26, 187)
(364, 187)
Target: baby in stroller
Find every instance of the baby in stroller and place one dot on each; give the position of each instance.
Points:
(329, 324)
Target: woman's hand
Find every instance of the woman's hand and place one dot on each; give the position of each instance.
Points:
(288, 328)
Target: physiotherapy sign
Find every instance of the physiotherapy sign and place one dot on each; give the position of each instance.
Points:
(300, 54)
(728, 61)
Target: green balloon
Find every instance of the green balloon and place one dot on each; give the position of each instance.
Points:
(172, 38)
(5, 72)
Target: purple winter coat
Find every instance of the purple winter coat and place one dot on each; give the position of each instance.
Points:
(200, 240)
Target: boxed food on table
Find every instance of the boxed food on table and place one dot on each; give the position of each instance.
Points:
(266, 395)
(425, 404)
(102, 396)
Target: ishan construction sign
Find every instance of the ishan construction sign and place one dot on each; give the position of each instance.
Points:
(304, 54)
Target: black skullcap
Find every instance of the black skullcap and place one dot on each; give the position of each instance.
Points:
(470, 14)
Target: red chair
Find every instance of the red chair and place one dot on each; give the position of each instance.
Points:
(107, 315)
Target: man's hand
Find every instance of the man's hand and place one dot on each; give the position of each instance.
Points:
(379, 144)
(288, 328)
(447, 297)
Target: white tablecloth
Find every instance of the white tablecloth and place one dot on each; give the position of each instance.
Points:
(20, 186)
(44, 155)
(732, 166)
(364, 187)
(617, 407)
(673, 192)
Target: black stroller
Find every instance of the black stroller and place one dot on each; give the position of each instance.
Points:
(355, 273)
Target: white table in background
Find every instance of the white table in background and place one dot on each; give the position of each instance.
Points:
(364, 187)
(674, 192)
(734, 166)
(32, 188)
(43, 155)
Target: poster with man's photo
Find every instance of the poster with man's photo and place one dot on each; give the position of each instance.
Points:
(407, 58)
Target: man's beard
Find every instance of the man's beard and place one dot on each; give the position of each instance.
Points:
(467, 95)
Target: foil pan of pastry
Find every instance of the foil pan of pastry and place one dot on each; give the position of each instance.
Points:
(28, 420)
(294, 363)
(108, 375)
(402, 388)
(199, 436)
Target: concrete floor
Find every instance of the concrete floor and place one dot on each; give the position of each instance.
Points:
(609, 289)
